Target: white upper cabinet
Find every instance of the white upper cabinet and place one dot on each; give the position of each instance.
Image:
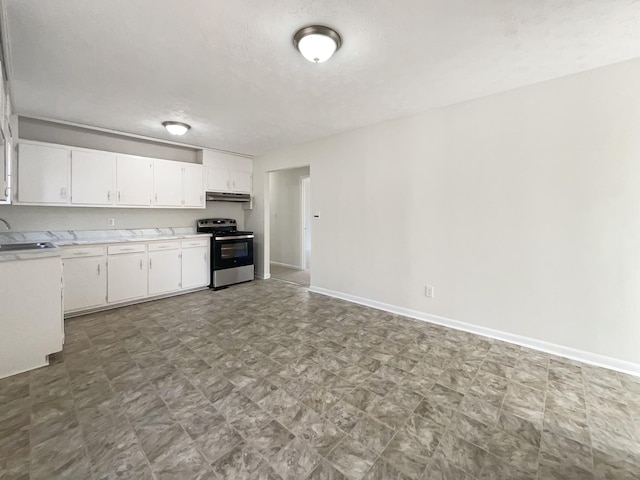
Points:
(93, 178)
(167, 184)
(225, 172)
(218, 180)
(51, 174)
(193, 185)
(134, 177)
(241, 181)
(43, 174)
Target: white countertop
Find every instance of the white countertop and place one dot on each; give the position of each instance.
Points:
(66, 243)
(87, 237)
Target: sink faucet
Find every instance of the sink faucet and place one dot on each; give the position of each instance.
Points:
(6, 223)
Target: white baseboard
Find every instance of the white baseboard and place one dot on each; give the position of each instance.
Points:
(263, 277)
(552, 348)
(280, 264)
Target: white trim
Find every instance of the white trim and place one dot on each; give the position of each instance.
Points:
(552, 348)
(304, 192)
(287, 265)
(266, 276)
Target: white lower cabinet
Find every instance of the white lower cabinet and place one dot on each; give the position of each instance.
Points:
(85, 278)
(195, 266)
(165, 272)
(127, 276)
(30, 314)
(107, 275)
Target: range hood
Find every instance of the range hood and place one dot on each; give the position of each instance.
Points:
(228, 197)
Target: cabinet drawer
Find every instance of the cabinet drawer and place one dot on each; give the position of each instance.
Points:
(154, 247)
(117, 249)
(195, 242)
(82, 252)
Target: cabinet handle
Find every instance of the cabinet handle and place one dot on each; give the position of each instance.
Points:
(98, 269)
(150, 263)
(156, 198)
(108, 195)
(140, 264)
(118, 195)
(80, 253)
(127, 249)
(234, 184)
(63, 193)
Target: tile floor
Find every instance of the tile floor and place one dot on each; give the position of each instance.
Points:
(268, 381)
(301, 277)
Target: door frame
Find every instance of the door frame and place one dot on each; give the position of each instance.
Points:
(305, 191)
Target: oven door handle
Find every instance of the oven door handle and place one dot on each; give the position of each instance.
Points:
(238, 237)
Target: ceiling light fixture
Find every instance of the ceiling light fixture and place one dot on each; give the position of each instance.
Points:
(317, 43)
(176, 128)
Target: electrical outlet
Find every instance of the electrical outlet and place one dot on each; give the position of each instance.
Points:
(111, 222)
(429, 291)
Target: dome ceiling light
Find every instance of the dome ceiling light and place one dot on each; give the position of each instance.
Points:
(317, 43)
(176, 128)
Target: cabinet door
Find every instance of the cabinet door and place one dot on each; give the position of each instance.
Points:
(43, 174)
(164, 272)
(85, 283)
(195, 267)
(93, 178)
(134, 180)
(218, 180)
(167, 183)
(127, 277)
(193, 185)
(241, 181)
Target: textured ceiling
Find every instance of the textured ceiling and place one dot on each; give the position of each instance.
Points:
(229, 69)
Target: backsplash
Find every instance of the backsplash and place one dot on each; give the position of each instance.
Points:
(37, 219)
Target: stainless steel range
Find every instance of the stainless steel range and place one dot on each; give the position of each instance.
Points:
(231, 252)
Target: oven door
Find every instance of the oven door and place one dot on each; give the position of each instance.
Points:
(230, 252)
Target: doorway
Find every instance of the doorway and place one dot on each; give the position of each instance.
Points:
(290, 225)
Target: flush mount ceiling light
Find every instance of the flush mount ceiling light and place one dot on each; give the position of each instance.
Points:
(317, 43)
(176, 128)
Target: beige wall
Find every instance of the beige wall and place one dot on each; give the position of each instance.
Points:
(285, 194)
(32, 129)
(32, 218)
(521, 209)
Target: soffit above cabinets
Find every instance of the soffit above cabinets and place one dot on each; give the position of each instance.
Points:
(230, 70)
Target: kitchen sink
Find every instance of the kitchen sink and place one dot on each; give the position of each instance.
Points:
(10, 247)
